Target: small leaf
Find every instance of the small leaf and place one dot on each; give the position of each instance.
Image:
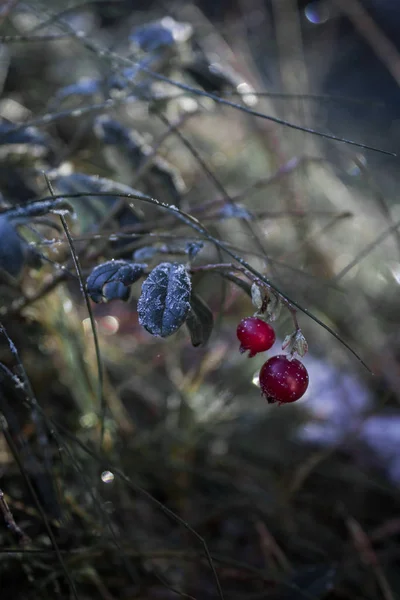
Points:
(215, 77)
(145, 253)
(200, 321)
(13, 249)
(28, 135)
(212, 76)
(257, 296)
(273, 308)
(112, 133)
(167, 177)
(123, 79)
(113, 271)
(83, 87)
(115, 290)
(24, 144)
(164, 303)
(160, 35)
(193, 248)
(295, 343)
(91, 209)
(128, 147)
(234, 211)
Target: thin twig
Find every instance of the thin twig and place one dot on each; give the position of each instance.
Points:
(197, 226)
(100, 380)
(10, 521)
(116, 58)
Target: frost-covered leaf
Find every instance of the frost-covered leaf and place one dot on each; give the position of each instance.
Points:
(167, 178)
(115, 290)
(123, 80)
(193, 248)
(160, 35)
(149, 252)
(218, 78)
(113, 272)
(12, 248)
(83, 87)
(234, 211)
(200, 321)
(213, 76)
(164, 303)
(28, 135)
(41, 208)
(126, 150)
(92, 209)
(112, 133)
(24, 143)
(145, 253)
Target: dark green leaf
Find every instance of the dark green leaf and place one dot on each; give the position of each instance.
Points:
(200, 321)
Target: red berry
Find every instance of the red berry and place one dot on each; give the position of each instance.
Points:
(283, 379)
(255, 335)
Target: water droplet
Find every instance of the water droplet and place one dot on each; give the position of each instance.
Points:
(107, 477)
(247, 92)
(395, 270)
(189, 105)
(88, 420)
(355, 166)
(219, 447)
(67, 305)
(109, 325)
(318, 12)
(256, 379)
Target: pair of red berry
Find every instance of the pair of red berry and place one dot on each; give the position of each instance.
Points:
(282, 379)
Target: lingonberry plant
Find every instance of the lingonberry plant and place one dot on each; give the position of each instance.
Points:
(143, 222)
(283, 380)
(255, 335)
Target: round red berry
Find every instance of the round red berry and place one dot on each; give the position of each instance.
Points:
(283, 379)
(255, 335)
